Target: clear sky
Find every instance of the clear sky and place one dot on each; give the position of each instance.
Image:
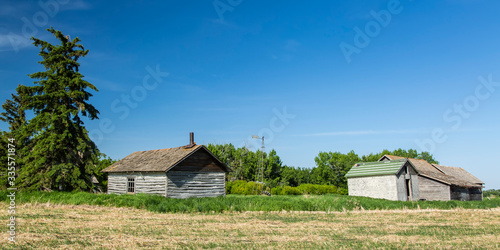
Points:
(309, 76)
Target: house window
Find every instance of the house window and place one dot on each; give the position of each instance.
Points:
(130, 185)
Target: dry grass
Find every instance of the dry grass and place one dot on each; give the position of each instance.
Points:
(50, 226)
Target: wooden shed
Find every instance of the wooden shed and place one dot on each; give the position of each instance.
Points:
(437, 182)
(392, 180)
(182, 172)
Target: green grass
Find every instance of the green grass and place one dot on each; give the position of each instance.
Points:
(239, 203)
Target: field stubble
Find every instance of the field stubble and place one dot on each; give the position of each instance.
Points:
(47, 225)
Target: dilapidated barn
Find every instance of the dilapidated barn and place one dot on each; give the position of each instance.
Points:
(400, 178)
(437, 182)
(181, 172)
(392, 180)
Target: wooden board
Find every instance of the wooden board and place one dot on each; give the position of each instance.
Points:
(182, 184)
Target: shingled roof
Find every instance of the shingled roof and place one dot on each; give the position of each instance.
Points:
(459, 172)
(448, 175)
(377, 168)
(160, 160)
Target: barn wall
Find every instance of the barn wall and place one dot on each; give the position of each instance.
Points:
(145, 182)
(414, 184)
(185, 184)
(460, 193)
(200, 161)
(433, 190)
(407, 172)
(476, 194)
(383, 187)
(117, 183)
(401, 186)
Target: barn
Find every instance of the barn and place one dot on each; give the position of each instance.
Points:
(416, 179)
(392, 180)
(438, 182)
(181, 172)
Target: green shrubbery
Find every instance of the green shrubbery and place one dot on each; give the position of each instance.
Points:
(307, 189)
(491, 193)
(253, 188)
(243, 187)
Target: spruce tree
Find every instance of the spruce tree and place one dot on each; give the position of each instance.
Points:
(13, 113)
(15, 116)
(60, 154)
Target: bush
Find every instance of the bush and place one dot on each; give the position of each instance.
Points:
(491, 193)
(308, 189)
(317, 189)
(276, 190)
(287, 190)
(243, 187)
(253, 188)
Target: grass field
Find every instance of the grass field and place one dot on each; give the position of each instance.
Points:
(240, 203)
(49, 225)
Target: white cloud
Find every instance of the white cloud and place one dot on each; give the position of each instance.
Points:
(13, 42)
(76, 5)
(366, 132)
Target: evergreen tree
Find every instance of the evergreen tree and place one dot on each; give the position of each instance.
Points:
(60, 154)
(13, 113)
(15, 116)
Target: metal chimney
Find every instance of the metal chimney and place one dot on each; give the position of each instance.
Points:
(191, 141)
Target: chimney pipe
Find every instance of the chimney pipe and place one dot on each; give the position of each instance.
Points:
(191, 141)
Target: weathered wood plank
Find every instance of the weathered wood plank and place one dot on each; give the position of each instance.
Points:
(146, 182)
(195, 184)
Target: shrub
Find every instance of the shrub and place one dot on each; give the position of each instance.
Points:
(243, 187)
(276, 190)
(308, 189)
(491, 193)
(287, 190)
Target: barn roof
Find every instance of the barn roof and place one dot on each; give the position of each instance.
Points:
(160, 160)
(460, 173)
(376, 168)
(448, 175)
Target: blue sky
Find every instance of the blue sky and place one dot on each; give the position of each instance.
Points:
(308, 76)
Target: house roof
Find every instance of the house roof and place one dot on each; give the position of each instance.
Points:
(376, 168)
(447, 175)
(160, 160)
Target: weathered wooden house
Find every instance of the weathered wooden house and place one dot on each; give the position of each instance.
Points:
(392, 180)
(182, 172)
(437, 182)
(423, 181)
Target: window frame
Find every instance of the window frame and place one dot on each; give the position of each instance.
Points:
(131, 184)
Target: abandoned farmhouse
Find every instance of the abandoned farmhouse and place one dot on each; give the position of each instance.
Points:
(399, 178)
(181, 172)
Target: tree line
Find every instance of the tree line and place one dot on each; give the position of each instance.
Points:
(330, 168)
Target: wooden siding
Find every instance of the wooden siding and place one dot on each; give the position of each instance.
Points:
(117, 183)
(407, 172)
(200, 161)
(459, 193)
(466, 194)
(183, 184)
(145, 182)
(476, 194)
(433, 190)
